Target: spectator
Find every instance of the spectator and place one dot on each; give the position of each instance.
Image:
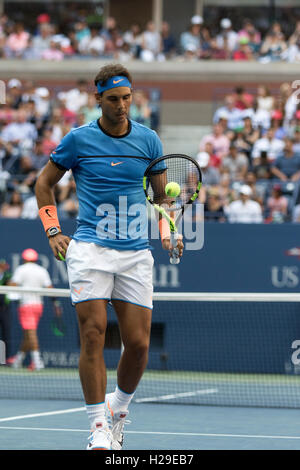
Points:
(226, 192)
(13, 208)
(227, 39)
(236, 163)
(19, 131)
(292, 53)
(75, 98)
(91, 110)
(244, 210)
(190, 40)
(219, 141)
(42, 102)
(81, 30)
(151, 43)
(53, 52)
(265, 101)
(133, 37)
(277, 124)
(48, 144)
(214, 160)
(268, 143)
(247, 137)
(249, 31)
(38, 157)
(17, 41)
(243, 100)
(92, 44)
(272, 48)
(213, 208)
(233, 115)
(56, 122)
(123, 54)
(41, 42)
(277, 205)
(257, 187)
(262, 167)
(168, 48)
(140, 110)
(276, 29)
(287, 166)
(243, 51)
(14, 93)
(210, 175)
(30, 208)
(214, 52)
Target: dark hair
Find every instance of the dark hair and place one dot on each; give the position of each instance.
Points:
(109, 71)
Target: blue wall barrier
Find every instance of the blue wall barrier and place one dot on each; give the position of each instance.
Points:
(205, 336)
(234, 258)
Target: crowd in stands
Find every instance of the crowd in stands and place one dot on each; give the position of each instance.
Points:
(251, 160)
(32, 123)
(200, 41)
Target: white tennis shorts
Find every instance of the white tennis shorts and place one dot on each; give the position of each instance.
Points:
(97, 272)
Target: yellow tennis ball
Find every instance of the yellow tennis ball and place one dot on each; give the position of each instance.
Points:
(172, 189)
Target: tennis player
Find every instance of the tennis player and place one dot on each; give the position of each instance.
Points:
(108, 257)
(30, 274)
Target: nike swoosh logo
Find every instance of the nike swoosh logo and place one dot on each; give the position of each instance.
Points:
(117, 163)
(118, 81)
(47, 212)
(78, 290)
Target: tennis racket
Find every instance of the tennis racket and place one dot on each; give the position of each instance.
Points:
(170, 200)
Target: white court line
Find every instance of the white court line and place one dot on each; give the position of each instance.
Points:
(47, 413)
(178, 395)
(198, 434)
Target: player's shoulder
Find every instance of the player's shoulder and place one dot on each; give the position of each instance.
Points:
(143, 130)
(85, 128)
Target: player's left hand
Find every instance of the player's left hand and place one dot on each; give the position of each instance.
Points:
(166, 244)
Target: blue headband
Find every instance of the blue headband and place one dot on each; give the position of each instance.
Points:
(113, 82)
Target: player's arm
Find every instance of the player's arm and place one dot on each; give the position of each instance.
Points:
(158, 183)
(44, 191)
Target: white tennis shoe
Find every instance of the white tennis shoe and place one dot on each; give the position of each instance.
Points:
(100, 438)
(117, 421)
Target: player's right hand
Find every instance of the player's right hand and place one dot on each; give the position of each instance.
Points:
(59, 244)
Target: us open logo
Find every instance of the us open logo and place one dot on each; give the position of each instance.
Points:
(2, 352)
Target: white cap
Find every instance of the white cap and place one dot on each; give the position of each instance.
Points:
(246, 190)
(225, 23)
(196, 19)
(203, 159)
(42, 92)
(14, 83)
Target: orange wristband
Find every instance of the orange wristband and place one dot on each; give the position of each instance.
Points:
(48, 216)
(164, 228)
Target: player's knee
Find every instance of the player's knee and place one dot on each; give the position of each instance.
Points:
(140, 349)
(92, 340)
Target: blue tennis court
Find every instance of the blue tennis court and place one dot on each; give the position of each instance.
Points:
(63, 425)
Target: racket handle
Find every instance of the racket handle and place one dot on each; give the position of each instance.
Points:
(174, 258)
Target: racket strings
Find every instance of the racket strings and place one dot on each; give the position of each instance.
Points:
(178, 170)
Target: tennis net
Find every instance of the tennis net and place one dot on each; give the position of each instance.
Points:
(238, 349)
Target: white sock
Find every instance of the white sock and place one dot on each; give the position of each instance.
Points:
(120, 400)
(96, 414)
